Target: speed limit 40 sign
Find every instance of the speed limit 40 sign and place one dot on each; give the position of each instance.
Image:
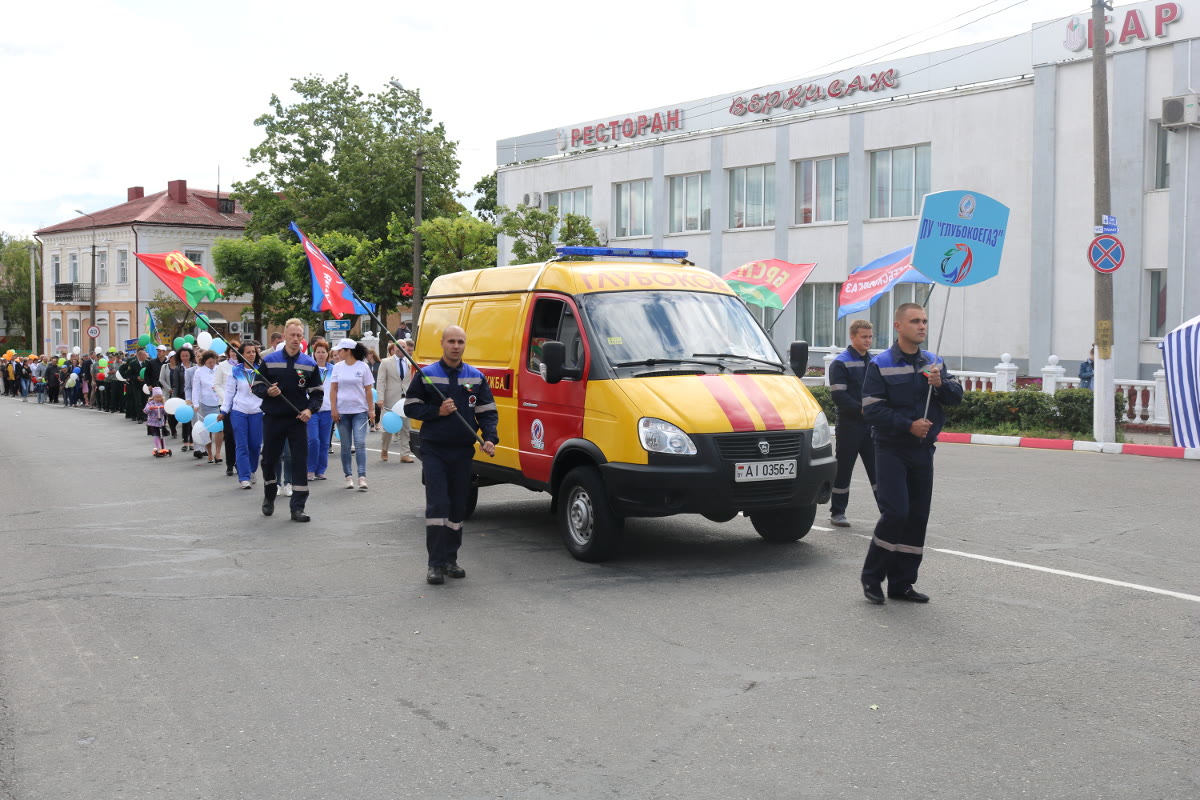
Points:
(93, 331)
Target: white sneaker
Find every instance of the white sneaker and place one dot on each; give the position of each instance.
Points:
(244, 484)
(287, 490)
(362, 483)
(349, 482)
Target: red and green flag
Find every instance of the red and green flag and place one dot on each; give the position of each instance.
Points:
(189, 282)
(771, 283)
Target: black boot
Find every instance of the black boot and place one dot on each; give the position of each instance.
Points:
(298, 500)
(268, 506)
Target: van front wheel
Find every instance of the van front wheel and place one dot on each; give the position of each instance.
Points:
(590, 529)
(784, 525)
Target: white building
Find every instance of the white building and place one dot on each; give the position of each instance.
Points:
(188, 220)
(832, 170)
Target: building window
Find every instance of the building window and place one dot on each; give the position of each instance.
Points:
(56, 268)
(1162, 167)
(816, 314)
(899, 181)
(572, 201)
(122, 333)
(102, 339)
(1157, 312)
(635, 208)
(822, 185)
(73, 333)
(73, 268)
(56, 332)
(122, 266)
(752, 196)
(102, 266)
(691, 205)
(195, 256)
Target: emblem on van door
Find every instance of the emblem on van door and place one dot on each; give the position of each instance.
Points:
(764, 447)
(537, 435)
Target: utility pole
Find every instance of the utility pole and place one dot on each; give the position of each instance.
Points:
(92, 320)
(33, 336)
(420, 170)
(1103, 422)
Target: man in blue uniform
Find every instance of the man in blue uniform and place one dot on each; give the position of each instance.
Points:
(448, 446)
(294, 383)
(898, 384)
(846, 374)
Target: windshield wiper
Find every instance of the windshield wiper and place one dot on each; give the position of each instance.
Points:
(652, 362)
(775, 364)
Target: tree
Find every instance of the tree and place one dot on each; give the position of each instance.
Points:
(253, 267)
(14, 288)
(485, 204)
(453, 244)
(169, 313)
(341, 160)
(535, 232)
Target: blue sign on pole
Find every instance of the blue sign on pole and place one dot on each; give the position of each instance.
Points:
(960, 238)
(337, 325)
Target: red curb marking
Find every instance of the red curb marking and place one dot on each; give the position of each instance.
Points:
(954, 438)
(1159, 450)
(1048, 444)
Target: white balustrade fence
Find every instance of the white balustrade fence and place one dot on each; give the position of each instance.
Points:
(1146, 400)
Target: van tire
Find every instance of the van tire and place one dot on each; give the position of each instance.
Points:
(590, 529)
(784, 525)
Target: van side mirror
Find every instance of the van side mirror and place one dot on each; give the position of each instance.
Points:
(798, 356)
(554, 355)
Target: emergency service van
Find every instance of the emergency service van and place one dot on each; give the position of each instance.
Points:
(635, 389)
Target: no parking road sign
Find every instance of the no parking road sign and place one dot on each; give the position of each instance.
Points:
(1106, 253)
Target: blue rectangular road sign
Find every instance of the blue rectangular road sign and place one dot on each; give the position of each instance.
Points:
(1103, 229)
(1106, 219)
(337, 325)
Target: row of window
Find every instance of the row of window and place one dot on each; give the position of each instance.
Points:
(75, 336)
(73, 265)
(899, 179)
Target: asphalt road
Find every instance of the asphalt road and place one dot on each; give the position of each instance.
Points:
(159, 638)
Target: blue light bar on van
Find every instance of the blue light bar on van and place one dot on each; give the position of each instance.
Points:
(629, 252)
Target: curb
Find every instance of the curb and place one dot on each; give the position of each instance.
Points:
(1151, 450)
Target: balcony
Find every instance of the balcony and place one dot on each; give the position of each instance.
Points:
(72, 293)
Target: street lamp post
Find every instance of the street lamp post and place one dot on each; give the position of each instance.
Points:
(92, 317)
(420, 169)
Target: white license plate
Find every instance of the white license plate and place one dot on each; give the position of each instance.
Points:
(764, 470)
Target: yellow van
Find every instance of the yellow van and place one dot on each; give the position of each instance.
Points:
(635, 388)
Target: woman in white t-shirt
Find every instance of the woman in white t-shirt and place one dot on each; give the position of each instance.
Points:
(352, 406)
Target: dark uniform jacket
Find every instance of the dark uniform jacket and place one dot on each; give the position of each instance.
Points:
(299, 381)
(846, 373)
(468, 388)
(894, 392)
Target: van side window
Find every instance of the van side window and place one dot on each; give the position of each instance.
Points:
(554, 321)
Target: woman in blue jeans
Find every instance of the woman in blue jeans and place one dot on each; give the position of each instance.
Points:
(320, 425)
(244, 410)
(352, 406)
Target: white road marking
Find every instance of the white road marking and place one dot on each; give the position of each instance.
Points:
(819, 528)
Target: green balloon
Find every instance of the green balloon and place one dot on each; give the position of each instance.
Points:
(143, 340)
(102, 363)
(142, 374)
(178, 343)
(202, 322)
(189, 339)
(62, 362)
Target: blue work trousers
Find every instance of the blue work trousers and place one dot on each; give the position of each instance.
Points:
(247, 433)
(447, 473)
(353, 428)
(904, 493)
(320, 427)
(853, 442)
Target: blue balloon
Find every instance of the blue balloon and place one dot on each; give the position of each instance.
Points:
(185, 414)
(212, 424)
(76, 370)
(219, 346)
(393, 422)
(375, 395)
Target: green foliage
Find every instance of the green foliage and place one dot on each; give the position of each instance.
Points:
(169, 313)
(14, 289)
(825, 398)
(485, 205)
(1026, 412)
(253, 267)
(533, 232)
(453, 244)
(339, 159)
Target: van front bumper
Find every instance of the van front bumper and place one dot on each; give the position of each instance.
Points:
(704, 483)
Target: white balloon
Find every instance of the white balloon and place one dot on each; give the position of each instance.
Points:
(205, 339)
(145, 389)
(174, 404)
(75, 349)
(399, 407)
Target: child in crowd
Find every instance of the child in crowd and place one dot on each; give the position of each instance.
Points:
(156, 420)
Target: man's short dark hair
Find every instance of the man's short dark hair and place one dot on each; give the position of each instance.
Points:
(905, 307)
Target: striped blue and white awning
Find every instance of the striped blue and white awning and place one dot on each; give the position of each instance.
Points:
(1181, 360)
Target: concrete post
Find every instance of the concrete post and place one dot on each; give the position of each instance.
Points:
(1006, 374)
(827, 360)
(1050, 375)
(1159, 415)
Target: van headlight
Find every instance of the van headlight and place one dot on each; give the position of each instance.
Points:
(659, 436)
(821, 433)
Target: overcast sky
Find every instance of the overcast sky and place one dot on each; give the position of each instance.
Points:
(106, 94)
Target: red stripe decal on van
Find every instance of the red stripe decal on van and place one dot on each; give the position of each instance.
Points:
(762, 404)
(738, 417)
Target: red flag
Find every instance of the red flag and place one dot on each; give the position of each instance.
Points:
(771, 283)
(190, 283)
(330, 291)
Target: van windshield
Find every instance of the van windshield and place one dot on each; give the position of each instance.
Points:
(670, 325)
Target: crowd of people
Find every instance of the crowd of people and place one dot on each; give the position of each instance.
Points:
(151, 386)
